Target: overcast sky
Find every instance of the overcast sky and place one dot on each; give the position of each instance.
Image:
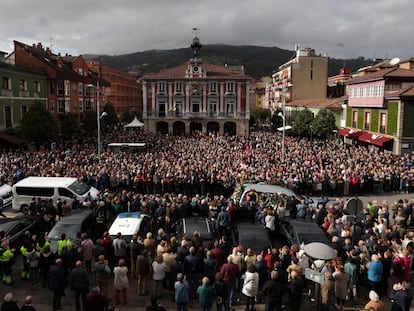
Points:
(342, 29)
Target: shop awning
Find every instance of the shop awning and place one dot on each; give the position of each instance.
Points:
(351, 133)
(344, 131)
(374, 139)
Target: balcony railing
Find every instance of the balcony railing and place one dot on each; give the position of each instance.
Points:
(196, 115)
(6, 93)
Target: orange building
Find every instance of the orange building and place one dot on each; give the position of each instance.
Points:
(124, 93)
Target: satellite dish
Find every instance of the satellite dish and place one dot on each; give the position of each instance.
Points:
(394, 61)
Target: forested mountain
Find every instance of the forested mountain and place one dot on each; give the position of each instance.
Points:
(258, 61)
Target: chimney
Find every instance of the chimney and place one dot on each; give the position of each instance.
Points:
(39, 46)
(2, 56)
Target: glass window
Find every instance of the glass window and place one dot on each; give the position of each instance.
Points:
(60, 87)
(178, 87)
(6, 83)
(22, 85)
(230, 87)
(212, 107)
(213, 87)
(67, 88)
(162, 108)
(61, 105)
(51, 105)
(80, 88)
(367, 121)
(36, 86)
(161, 87)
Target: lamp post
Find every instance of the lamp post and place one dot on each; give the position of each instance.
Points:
(282, 115)
(98, 117)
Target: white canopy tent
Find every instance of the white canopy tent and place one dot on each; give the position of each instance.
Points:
(134, 123)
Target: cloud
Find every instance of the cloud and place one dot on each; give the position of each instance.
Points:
(342, 29)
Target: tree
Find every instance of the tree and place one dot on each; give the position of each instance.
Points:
(258, 115)
(111, 118)
(39, 125)
(89, 121)
(69, 126)
(324, 123)
(302, 122)
(129, 115)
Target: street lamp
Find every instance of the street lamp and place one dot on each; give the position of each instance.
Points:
(282, 115)
(99, 116)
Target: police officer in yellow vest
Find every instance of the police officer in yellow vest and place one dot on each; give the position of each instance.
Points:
(63, 242)
(25, 272)
(6, 261)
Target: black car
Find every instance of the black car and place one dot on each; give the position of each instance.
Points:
(15, 228)
(206, 228)
(252, 236)
(79, 221)
(298, 231)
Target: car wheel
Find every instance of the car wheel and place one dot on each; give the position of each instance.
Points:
(25, 209)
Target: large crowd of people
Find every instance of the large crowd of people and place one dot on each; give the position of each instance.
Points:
(179, 177)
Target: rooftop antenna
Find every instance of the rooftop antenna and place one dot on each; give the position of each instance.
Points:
(51, 43)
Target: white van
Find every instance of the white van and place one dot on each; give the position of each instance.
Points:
(6, 194)
(46, 188)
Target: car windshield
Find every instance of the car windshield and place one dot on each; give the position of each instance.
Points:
(79, 187)
(71, 230)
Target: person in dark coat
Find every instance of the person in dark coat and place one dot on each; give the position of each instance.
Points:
(273, 290)
(46, 260)
(79, 283)
(295, 289)
(28, 306)
(96, 301)
(9, 303)
(400, 297)
(222, 291)
(192, 268)
(56, 283)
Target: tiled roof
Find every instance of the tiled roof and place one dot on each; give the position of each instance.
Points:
(51, 60)
(211, 71)
(381, 74)
(328, 103)
(405, 92)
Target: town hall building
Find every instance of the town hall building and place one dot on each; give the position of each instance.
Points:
(197, 98)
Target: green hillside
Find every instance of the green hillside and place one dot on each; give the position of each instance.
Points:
(258, 61)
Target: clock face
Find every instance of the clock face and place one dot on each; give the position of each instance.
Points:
(196, 69)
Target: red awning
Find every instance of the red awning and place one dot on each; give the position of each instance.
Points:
(374, 139)
(351, 133)
(12, 139)
(344, 131)
(355, 134)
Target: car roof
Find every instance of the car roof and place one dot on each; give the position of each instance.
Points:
(46, 181)
(75, 217)
(253, 236)
(308, 229)
(127, 223)
(304, 226)
(196, 224)
(265, 188)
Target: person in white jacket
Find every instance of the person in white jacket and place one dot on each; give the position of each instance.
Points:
(251, 287)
